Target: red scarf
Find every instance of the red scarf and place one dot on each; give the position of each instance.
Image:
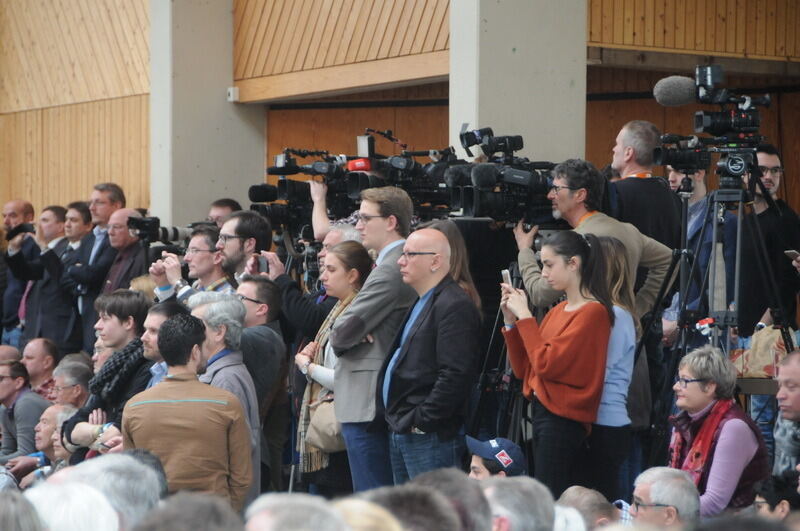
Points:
(695, 461)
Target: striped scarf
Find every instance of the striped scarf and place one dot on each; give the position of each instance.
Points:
(312, 458)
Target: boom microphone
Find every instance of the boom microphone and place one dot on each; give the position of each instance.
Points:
(673, 91)
(262, 193)
(458, 175)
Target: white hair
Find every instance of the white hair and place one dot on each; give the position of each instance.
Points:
(526, 502)
(348, 232)
(673, 487)
(132, 487)
(222, 309)
(299, 512)
(72, 507)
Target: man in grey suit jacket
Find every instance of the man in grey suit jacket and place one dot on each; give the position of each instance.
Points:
(223, 316)
(363, 335)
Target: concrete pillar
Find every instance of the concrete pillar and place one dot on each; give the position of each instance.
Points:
(202, 147)
(519, 66)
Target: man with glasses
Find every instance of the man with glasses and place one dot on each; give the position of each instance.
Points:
(242, 235)
(363, 334)
(205, 266)
(95, 255)
(131, 259)
(665, 498)
(72, 383)
(424, 385)
(779, 231)
(264, 355)
(577, 196)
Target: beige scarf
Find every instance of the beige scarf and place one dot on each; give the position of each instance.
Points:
(311, 457)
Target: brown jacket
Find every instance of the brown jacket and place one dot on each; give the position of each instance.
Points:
(198, 431)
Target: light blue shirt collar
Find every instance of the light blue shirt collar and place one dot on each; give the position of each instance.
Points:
(385, 250)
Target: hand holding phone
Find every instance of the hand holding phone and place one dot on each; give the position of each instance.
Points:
(506, 276)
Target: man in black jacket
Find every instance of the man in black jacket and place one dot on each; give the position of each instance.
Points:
(424, 383)
(15, 213)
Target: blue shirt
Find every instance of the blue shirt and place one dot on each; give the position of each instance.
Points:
(412, 318)
(385, 250)
(219, 355)
(613, 409)
(158, 371)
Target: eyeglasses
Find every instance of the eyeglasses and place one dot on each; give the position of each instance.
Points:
(192, 250)
(246, 298)
(3, 377)
(366, 217)
(775, 170)
(59, 388)
(411, 254)
(686, 381)
(223, 238)
(556, 188)
(638, 505)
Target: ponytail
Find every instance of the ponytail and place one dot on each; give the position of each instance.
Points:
(593, 270)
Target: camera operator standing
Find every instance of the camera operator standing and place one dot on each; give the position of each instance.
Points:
(780, 231)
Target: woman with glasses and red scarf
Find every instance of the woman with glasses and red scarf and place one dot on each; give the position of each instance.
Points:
(713, 440)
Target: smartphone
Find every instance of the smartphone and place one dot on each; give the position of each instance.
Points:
(263, 265)
(506, 276)
(792, 254)
(19, 229)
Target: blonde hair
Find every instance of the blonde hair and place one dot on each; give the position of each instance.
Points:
(362, 515)
(619, 281)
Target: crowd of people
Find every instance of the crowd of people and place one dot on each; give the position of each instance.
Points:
(193, 390)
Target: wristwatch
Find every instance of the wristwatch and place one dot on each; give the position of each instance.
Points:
(179, 285)
(304, 367)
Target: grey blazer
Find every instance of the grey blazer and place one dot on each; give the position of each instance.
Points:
(378, 310)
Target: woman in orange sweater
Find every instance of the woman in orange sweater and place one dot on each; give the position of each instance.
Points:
(562, 362)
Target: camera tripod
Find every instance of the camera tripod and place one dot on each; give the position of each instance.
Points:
(721, 318)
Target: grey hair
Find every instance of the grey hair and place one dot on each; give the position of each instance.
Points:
(66, 413)
(709, 363)
(643, 137)
(673, 487)
(526, 502)
(222, 309)
(349, 232)
(17, 513)
(300, 512)
(74, 373)
(71, 507)
(131, 487)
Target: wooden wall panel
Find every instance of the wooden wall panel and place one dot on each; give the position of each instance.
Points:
(764, 29)
(55, 155)
(281, 36)
(57, 52)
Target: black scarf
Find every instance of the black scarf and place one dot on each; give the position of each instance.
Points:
(116, 372)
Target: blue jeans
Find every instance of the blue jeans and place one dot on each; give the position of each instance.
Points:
(368, 453)
(416, 453)
(12, 337)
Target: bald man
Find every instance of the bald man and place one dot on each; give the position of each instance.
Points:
(9, 353)
(424, 384)
(15, 213)
(131, 260)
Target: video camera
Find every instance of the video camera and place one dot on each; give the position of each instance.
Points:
(149, 229)
(733, 130)
(507, 188)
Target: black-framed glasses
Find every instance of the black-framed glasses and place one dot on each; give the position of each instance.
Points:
(638, 505)
(775, 170)
(246, 298)
(411, 254)
(366, 217)
(225, 237)
(686, 381)
(556, 188)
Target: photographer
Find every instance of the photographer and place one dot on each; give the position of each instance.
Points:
(205, 265)
(131, 259)
(242, 235)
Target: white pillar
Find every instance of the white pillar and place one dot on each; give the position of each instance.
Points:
(519, 66)
(202, 147)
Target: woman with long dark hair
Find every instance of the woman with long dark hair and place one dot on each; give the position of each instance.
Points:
(562, 362)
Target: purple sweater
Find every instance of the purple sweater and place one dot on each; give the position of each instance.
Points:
(736, 446)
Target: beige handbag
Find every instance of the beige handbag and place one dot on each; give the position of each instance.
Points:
(764, 355)
(324, 431)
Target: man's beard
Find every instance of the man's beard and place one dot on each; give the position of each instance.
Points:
(556, 213)
(233, 264)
